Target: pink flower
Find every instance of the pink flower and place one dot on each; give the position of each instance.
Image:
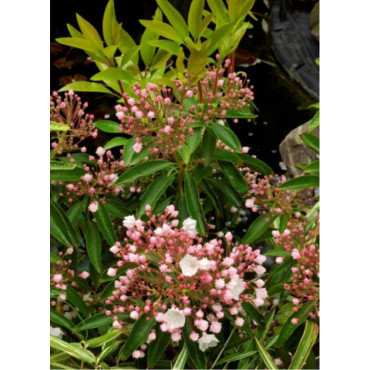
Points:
(114, 249)
(294, 321)
(58, 278)
(220, 283)
(258, 302)
(84, 275)
(295, 254)
(176, 336)
(134, 315)
(87, 177)
(194, 336)
(260, 283)
(100, 151)
(136, 354)
(137, 147)
(239, 321)
(112, 271)
(275, 233)
(131, 101)
(189, 94)
(229, 236)
(279, 260)
(295, 301)
(259, 270)
(215, 327)
(249, 203)
(93, 207)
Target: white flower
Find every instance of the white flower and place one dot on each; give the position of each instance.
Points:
(236, 287)
(207, 341)
(261, 293)
(56, 332)
(189, 265)
(189, 225)
(100, 151)
(129, 222)
(204, 264)
(93, 206)
(174, 318)
(87, 177)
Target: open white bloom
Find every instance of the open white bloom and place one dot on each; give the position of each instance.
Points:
(56, 332)
(204, 264)
(189, 265)
(129, 222)
(174, 318)
(236, 287)
(190, 226)
(207, 341)
(261, 293)
(100, 151)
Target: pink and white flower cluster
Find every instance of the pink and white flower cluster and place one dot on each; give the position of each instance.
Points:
(174, 275)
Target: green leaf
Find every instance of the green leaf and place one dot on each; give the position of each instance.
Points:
(208, 145)
(226, 155)
(174, 17)
(137, 337)
(234, 175)
(77, 42)
(154, 191)
(57, 166)
(219, 9)
(67, 175)
(109, 22)
(167, 45)
(236, 357)
(158, 346)
(315, 122)
(75, 211)
(277, 253)
(162, 29)
(196, 355)
(180, 205)
(180, 362)
(94, 322)
(218, 36)
(306, 343)
(55, 126)
(184, 153)
(288, 328)
(226, 135)
(256, 164)
(100, 341)
(116, 207)
(258, 227)
(116, 141)
(228, 191)
(108, 126)
(86, 87)
(312, 141)
(105, 225)
(139, 157)
(54, 258)
(193, 203)
(195, 17)
(313, 167)
(212, 197)
(253, 313)
(89, 31)
(61, 227)
(76, 300)
(79, 353)
(269, 362)
(60, 319)
(194, 140)
(108, 351)
(128, 151)
(141, 170)
(246, 113)
(111, 74)
(301, 182)
(93, 245)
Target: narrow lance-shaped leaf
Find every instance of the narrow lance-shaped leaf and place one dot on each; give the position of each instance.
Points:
(174, 17)
(226, 135)
(196, 355)
(94, 322)
(312, 141)
(57, 166)
(100, 341)
(105, 224)
(116, 141)
(109, 23)
(181, 359)
(93, 245)
(256, 164)
(89, 32)
(208, 145)
(79, 353)
(314, 122)
(258, 227)
(162, 29)
(158, 346)
(60, 320)
(86, 87)
(301, 182)
(234, 175)
(195, 17)
(269, 362)
(108, 126)
(76, 300)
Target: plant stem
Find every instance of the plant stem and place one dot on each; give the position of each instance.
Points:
(223, 348)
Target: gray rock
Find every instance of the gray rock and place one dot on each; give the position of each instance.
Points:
(293, 151)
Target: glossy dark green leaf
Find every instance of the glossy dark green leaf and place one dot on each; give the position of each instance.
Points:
(315, 122)
(277, 253)
(253, 313)
(154, 191)
(180, 205)
(313, 167)
(93, 245)
(76, 300)
(212, 197)
(138, 336)
(305, 345)
(67, 175)
(143, 169)
(301, 182)
(196, 355)
(54, 258)
(256, 164)
(258, 227)
(246, 114)
(312, 141)
(116, 207)
(208, 145)
(105, 225)
(225, 155)
(234, 175)
(108, 126)
(75, 211)
(226, 135)
(228, 191)
(158, 346)
(60, 319)
(100, 341)
(79, 353)
(58, 166)
(94, 322)
(193, 203)
(128, 151)
(289, 328)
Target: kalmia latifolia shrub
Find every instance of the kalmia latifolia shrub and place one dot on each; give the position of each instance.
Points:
(172, 244)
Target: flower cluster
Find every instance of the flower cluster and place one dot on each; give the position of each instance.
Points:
(174, 275)
(71, 112)
(62, 275)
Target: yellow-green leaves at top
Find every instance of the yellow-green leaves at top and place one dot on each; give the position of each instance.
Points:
(89, 32)
(195, 17)
(174, 17)
(162, 29)
(219, 10)
(109, 23)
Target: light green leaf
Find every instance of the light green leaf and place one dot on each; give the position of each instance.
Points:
(154, 191)
(269, 362)
(180, 362)
(301, 182)
(112, 74)
(312, 141)
(57, 166)
(174, 17)
(94, 322)
(246, 114)
(167, 45)
(258, 227)
(89, 32)
(77, 42)
(218, 37)
(116, 141)
(315, 122)
(195, 17)
(108, 126)
(86, 87)
(100, 341)
(109, 23)
(79, 353)
(93, 245)
(162, 29)
(306, 343)
(219, 9)
(55, 126)
(313, 167)
(226, 135)
(236, 357)
(143, 169)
